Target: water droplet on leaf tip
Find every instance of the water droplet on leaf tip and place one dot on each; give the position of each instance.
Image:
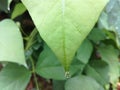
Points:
(67, 74)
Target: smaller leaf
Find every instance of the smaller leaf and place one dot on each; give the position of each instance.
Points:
(85, 51)
(96, 35)
(102, 23)
(82, 83)
(110, 34)
(18, 10)
(99, 71)
(14, 77)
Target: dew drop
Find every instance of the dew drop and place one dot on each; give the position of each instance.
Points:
(67, 74)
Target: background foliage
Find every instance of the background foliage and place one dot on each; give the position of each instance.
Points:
(95, 66)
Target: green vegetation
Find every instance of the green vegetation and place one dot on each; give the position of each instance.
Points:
(59, 45)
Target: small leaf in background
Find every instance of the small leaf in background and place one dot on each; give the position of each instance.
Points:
(110, 55)
(103, 21)
(85, 51)
(82, 83)
(98, 70)
(18, 10)
(58, 85)
(64, 24)
(110, 35)
(49, 67)
(14, 77)
(11, 43)
(96, 35)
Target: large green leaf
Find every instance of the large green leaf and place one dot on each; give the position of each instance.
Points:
(64, 24)
(82, 83)
(14, 77)
(11, 44)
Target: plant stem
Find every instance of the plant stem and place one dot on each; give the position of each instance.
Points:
(34, 75)
(29, 44)
(30, 40)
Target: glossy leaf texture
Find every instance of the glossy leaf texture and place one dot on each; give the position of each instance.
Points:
(64, 24)
(11, 43)
(14, 77)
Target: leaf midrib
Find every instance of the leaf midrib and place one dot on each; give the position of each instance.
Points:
(63, 30)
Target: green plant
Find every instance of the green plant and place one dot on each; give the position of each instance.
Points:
(62, 44)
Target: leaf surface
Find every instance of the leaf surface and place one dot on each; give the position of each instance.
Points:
(11, 43)
(110, 55)
(18, 10)
(64, 24)
(14, 77)
(98, 70)
(84, 52)
(82, 83)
